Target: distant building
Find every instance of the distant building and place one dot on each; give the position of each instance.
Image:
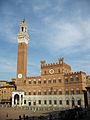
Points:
(6, 89)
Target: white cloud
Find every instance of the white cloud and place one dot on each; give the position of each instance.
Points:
(7, 32)
(40, 6)
(66, 34)
(7, 64)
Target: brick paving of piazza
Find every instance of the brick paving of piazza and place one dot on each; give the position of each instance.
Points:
(13, 114)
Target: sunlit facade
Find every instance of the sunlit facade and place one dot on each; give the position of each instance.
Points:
(57, 87)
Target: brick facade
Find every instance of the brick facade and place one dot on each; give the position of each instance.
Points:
(56, 87)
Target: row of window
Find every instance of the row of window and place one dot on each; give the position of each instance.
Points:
(5, 91)
(51, 102)
(45, 81)
(45, 102)
(59, 71)
(72, 92)
(54, 81)
(72, 80)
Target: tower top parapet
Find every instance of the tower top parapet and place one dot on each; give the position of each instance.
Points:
(24, 26)
(23, 20)
(23, 36)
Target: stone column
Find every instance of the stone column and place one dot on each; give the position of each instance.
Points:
(20, 100)
(12, 100)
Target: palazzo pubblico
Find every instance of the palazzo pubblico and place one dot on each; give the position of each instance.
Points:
(57, 87)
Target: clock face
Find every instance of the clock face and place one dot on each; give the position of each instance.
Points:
(20, 75)
(51, 71)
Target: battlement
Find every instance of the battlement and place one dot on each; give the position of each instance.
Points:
(74, 73)
(49, 65)
(60, 62)
(57, 64)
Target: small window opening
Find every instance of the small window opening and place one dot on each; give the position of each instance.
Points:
(22, 29)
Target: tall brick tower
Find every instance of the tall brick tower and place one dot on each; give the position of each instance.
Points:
(23, 38)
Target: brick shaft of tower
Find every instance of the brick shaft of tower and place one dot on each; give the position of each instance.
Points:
(23, 38)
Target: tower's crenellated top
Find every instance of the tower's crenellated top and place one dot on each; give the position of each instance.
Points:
(23, 36)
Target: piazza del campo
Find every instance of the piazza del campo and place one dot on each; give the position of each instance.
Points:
(58, 87)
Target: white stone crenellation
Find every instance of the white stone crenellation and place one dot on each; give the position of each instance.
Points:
(23, 36)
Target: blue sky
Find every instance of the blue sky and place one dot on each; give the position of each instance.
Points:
(57, 28)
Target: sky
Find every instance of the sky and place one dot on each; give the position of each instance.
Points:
(57, 28)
